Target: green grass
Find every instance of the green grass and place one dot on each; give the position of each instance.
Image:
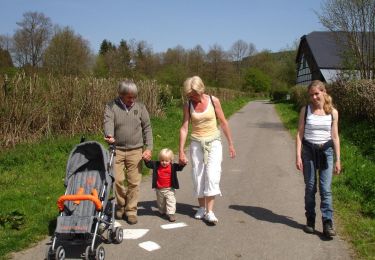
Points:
(354, 189)
(32, 178)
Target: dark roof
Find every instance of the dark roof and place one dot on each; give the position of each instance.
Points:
(325, 48)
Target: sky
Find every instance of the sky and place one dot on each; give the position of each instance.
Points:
(272, 25)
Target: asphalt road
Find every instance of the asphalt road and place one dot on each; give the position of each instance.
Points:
(261, 212)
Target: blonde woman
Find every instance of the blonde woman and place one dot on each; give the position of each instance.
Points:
(317, 142)
(203, 111)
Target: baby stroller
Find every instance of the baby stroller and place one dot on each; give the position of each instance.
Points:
(86, 210)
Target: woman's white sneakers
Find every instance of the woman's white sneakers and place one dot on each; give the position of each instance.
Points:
(211, 218)
(201, 212)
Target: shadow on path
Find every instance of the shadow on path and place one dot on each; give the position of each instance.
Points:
(267, 215)
(149, 208)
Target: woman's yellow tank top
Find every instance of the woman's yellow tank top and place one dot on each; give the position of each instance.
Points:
(204, 124)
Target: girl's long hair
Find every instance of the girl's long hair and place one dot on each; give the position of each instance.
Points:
(328, 105)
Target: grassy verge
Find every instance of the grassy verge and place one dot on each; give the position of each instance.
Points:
(354, 189)
(32, 177)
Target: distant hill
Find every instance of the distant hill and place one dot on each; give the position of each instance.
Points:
(276, 56)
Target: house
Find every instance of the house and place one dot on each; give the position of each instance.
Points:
(319, 57)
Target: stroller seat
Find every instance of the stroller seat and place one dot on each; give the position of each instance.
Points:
(79, 209)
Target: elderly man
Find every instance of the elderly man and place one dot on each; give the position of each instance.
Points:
(127, 124)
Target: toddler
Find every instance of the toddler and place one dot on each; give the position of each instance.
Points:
(164, 181)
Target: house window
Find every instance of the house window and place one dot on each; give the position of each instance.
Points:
(304, 72)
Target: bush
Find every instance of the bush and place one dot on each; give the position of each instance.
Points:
(355, 99)
(279, 94)
(165, 96)
(298, 96)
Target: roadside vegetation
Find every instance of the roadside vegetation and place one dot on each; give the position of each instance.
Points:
(354, 188)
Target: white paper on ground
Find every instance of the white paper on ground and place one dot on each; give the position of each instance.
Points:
(174, 225)
(134, 233)
(149, 245)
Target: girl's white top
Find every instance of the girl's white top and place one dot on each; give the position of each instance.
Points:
(317, 127)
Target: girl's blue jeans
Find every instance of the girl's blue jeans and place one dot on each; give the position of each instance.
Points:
(311, 178)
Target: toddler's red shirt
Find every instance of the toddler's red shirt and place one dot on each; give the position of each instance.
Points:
(164, 177)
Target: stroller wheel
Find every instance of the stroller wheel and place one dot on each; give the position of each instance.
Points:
(60, 253)
(110, 236)
(100, 253)
(119, 235)
(89, 254)
(49, 253)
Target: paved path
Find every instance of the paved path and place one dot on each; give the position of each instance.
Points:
(261, 212)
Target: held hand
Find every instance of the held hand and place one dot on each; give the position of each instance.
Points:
(146, 155)
(182, 159)
(337, 167)
(232, 151)
(299, 164)
(109, 139)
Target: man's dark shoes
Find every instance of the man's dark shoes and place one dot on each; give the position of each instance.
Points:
(119, 213)
(310, 226)
(328, 230)
(132, 219)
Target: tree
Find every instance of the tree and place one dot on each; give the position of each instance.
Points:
(5, 59)
(216, 64)
(173, 69)
(103, 64)
(67, 54)
(31, 39)
(114, 61)
(6, 42)
(357, 18)
(279, 66)
(175, 56)
(124, 58)
(195, 61)
(172, 75)
(6, 62)
(106, 46)
(239, 50)
(100, 68)
(144, 59)
(257, 81)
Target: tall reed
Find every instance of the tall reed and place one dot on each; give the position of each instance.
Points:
(33, 107)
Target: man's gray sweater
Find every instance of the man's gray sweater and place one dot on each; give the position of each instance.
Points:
(131, 129)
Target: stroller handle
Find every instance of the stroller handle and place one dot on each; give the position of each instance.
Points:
(112, 147)
(112, 154)
(78, 197)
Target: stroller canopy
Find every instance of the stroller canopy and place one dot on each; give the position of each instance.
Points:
(88, 154)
